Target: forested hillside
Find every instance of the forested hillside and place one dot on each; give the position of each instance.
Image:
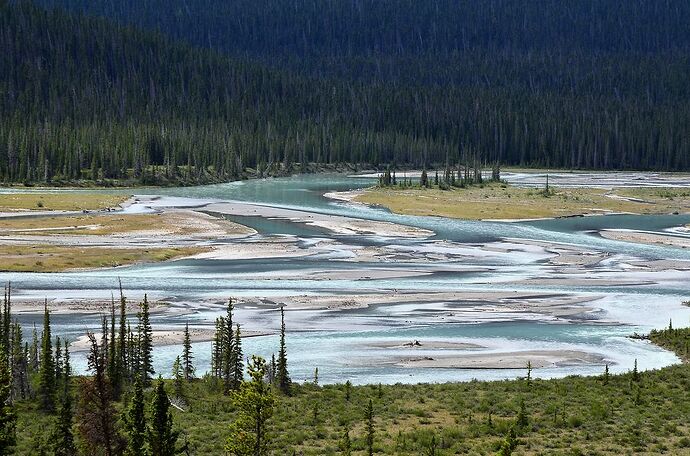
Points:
(222, 86)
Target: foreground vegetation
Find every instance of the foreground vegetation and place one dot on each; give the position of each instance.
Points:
(491, 201)
(219, 413)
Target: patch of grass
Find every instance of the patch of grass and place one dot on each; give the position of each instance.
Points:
(177, 223)
(58, 201)
(499, 201)
(51, 258)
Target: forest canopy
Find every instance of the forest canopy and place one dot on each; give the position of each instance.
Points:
(199, 91)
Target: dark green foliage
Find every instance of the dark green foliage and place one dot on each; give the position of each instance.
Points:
(254, 402)
(586, 84)
(161, 437)
(187, 356)
(509, 444)
(96, 420)
(282, 374)
(229, 354)
(522, 420)
(345, 443)
(8, 418)
(238, 366)
(135, 422)
(63, 437)
(369, 417)
(46, 387)
(145, 343)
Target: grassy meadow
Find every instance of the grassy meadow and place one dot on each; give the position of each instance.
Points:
(641, 414)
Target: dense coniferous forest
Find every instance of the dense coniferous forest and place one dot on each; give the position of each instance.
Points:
(201, 91)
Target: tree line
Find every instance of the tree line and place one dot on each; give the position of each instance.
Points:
(84, 98)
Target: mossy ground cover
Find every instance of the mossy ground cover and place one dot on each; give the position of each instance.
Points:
(58, 201)
(493, 201)
(625, 414)
(53, 258)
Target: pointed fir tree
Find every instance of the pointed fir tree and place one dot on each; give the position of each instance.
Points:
(254, 403)
(20, 366)
(135, 423)
(283, 376)
(238, 368)
(114, 373)
(218, 349)
(187, 356)
(522, 419)
(121, 361)
(369, 416)
(346, 443)
(509, 444)
(33, 351)
(161, 437)
(229, 354)
(63, 437)
(178, 377)
(8, 417)
(145, 343)
(46, 387)
(96, 420)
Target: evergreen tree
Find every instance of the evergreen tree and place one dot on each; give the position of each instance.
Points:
(96, 421)
(33, 351)
(283, 376)
(345, 443)
(509, 444)
(145, 343)
(63, 437)
(522, 419)
(46, 388)
(135, 423)
(122, 358)
(229, 354)
(254, 402)
(20, 366)
(178, 377)
(114, 371)
(218, 349)
(606, 374)
(160, 436)
(348, 390)
(238, 368)
(8, 418)
(369, 416)
(187, 356)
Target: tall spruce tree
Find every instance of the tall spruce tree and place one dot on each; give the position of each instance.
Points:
(114, 372)
(96, 420)
(135, 423)
(238, 368)
(161, 436)
(187, 356)
(145, 343)
(46, 387)
(254, 402)
(8, 417)
(122, 358)
(369, 416)
(229, 353)
(283, 376)
(63, 437)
